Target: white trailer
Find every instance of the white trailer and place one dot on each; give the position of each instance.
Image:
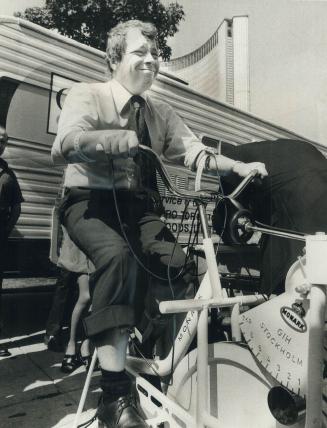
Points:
(37, 68)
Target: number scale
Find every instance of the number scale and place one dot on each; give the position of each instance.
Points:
(277, 334)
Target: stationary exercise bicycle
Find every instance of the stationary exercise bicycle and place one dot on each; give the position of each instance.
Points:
(270, 374)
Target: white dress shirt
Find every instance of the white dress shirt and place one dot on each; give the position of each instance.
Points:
(105, 106)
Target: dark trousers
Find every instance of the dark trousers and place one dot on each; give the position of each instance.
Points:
(96, 229)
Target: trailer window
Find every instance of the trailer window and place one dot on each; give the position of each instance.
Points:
(7, 90)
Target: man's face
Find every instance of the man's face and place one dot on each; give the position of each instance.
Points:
(139, 65)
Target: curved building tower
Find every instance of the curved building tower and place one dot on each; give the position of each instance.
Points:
(220, 67)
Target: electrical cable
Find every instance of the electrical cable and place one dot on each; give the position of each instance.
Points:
(146, 360)
(140, 263)
(221, 200)
(88, 422)
(170, 280)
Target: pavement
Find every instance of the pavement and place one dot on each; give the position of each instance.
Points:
(34, 393)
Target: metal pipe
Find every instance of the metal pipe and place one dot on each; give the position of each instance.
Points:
(85, 389)
(204, 222)
(183, 339)
(212, 268)
(248, 226)
(247, 180)
(315, 356)
(235, 323)
(202, 367)
(175, 306)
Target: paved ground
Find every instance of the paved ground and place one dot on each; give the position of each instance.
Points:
(34, 393)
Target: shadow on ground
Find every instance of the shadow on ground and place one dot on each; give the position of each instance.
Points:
(35, 393)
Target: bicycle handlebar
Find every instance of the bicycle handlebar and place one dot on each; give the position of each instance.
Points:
(246, 180)
(199, 195)
(160, 167)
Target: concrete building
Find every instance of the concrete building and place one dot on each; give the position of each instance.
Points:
(220, 67)
(267, 58)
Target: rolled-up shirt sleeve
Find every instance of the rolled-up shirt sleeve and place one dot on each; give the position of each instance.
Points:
(181, 144)
(79, 113)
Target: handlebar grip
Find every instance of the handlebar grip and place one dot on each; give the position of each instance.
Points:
(257, 179)
(243, 184)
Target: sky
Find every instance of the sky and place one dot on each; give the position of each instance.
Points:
(201, 21)
(200, 15)
(8, 7)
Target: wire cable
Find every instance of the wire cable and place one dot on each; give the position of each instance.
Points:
(88, 422)
(141, 264)
(138, 260)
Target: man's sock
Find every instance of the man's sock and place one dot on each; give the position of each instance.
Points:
(114, 385)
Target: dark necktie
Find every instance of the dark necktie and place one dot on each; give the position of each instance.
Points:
(136, 122)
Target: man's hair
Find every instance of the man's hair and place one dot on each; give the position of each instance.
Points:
(116, 42)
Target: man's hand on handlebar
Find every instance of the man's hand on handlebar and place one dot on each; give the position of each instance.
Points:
(120, 144)
(244, 169)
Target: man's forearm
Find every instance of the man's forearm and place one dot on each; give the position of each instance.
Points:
(222, 164)
(79, 146)
(96, 146)
(225, 166)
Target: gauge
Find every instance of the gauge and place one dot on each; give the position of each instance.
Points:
(276, 333)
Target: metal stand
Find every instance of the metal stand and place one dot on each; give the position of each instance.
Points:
(85, 389)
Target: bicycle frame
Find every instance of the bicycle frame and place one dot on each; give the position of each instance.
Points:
(210, 294)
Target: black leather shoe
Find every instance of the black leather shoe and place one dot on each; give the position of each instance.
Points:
(53, 343)
(122, 413)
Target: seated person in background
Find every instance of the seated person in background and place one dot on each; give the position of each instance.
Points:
(10, 208)
(61, 305)
(293, 196)
(100, 128)
(73, 260)
(64, 293)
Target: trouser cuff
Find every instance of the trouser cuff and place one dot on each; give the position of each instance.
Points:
(108, 318)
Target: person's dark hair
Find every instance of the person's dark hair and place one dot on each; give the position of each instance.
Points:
(116, 42)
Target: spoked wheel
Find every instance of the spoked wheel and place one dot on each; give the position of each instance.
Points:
(238, 387)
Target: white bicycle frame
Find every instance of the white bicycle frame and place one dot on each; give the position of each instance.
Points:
(211, 295)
